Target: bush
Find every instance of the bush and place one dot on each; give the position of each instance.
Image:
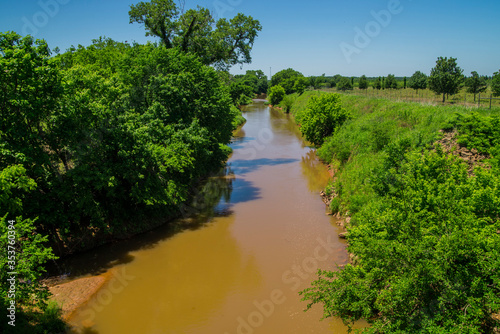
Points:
(276, 95)
(287, 103)
(321, 117)
(426, 253)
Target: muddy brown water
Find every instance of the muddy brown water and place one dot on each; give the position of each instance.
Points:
(239, 268)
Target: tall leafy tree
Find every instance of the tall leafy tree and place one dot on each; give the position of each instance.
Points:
(228, 43)
(476, 84)
(418, 81)
(446, 77)
(377, 84)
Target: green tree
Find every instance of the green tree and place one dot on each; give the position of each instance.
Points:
(322, 116)
(276, 94)
(495, 83)
(404, 83)
(391, 82)
(418, 81)
(241, 94)
(315, 82)
(286, 79)
(24, 253)
(110, 133)
(445, 77)
(344, 84)
(228, 44)
(301, 84)
(363, 82)
(377, 84)
(475, 84)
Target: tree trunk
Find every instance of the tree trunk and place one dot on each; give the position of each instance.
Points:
(444, 97)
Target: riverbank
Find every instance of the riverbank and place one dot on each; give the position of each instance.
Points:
(420, 185)
(208, 279)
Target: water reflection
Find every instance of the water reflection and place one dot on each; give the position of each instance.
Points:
(210, 200)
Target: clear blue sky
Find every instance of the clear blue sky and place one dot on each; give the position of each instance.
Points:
(305, 35)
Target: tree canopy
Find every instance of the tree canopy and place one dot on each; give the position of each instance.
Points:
(446, 77)
(223, 43)
(363, 82)
(476, 84)
(322, 116)
(418, 81)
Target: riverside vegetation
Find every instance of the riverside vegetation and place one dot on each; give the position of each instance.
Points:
(109, 140)
(424, 232)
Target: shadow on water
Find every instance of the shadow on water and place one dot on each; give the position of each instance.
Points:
(239, 142)
(213, 198)
(247, 166)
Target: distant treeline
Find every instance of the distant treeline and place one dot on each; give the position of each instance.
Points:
(445, 78)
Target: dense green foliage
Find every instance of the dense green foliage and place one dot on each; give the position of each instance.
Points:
(97, 143)
(24, 252)
(445, 77)
(223, 43)
(111, 133)
(426, 253)
(241, 94)
(479, 132)
(255, 79)
(390, 82)
(276, 95)
(423, 232)
(286, 79)
(495, 83)
(322, 116)
(301, 84)
(418, 81)
(344, 84)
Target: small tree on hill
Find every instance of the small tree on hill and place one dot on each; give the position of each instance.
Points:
(475, 84)
(377, 84)
(363, 82)
(418, 81)
(445, 77)
(391, 82)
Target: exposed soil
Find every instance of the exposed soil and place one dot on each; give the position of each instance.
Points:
(71, 295)
(472, 157)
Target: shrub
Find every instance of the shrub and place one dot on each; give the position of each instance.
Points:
(276, 95)
(322, 116)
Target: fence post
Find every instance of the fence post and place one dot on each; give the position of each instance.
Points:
(479, 100)
(491, 99)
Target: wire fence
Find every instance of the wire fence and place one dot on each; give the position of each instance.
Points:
(425, 96)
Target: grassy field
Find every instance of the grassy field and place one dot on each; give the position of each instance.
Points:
(423, 96)
(358, 148)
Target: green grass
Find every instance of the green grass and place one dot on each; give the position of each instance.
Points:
(357, 150)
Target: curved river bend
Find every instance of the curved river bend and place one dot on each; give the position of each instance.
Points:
(240, 265)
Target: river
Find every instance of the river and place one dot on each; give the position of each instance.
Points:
(238, 266)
